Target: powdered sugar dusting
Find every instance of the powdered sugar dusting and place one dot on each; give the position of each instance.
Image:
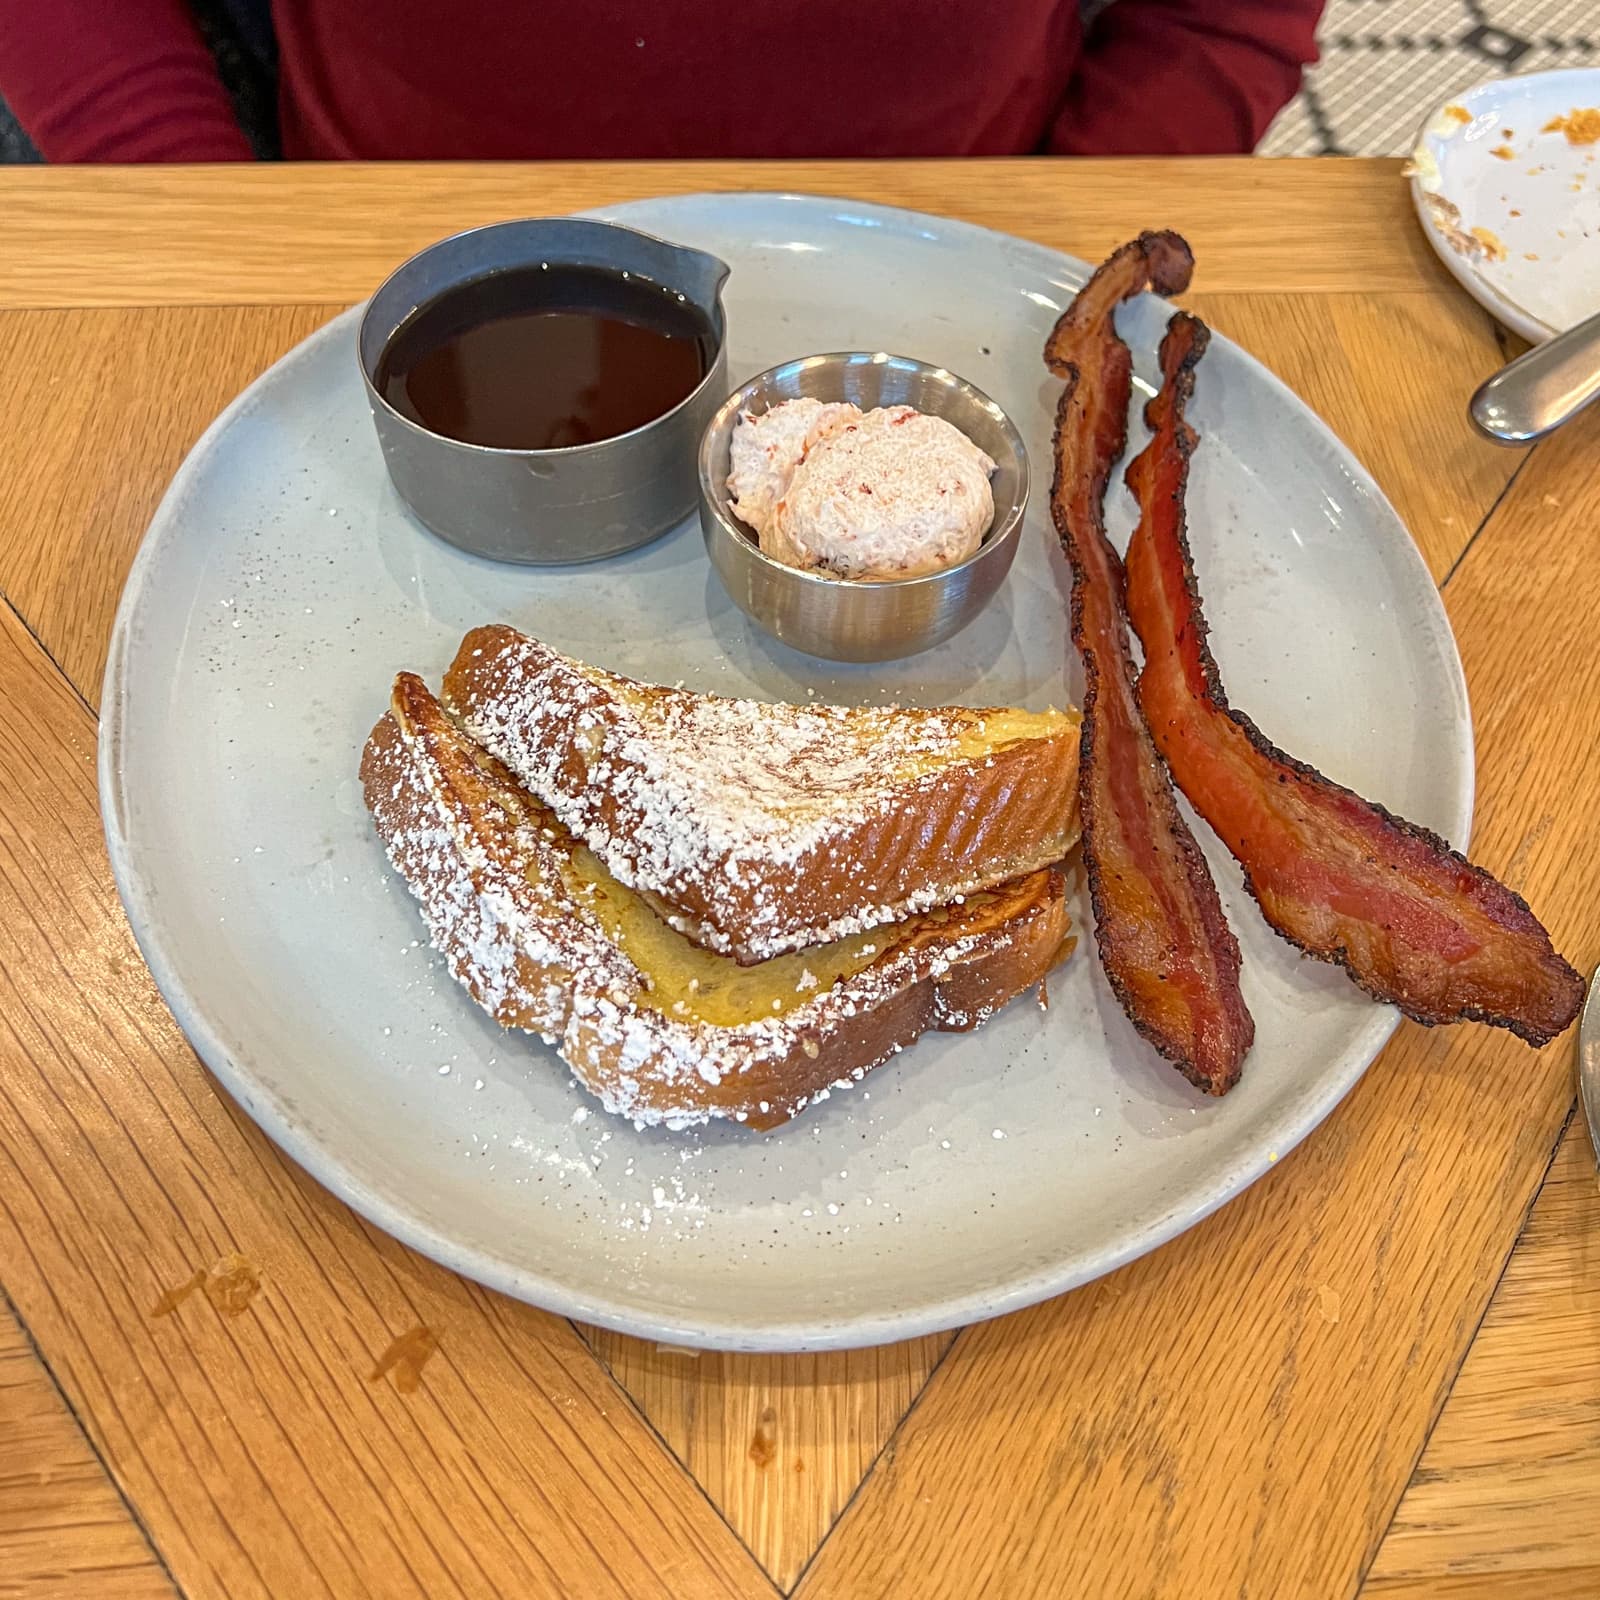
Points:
(484, 863)
(725, 806)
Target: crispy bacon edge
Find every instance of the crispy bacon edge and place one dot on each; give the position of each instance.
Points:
(1412, 922)
(1166, 947)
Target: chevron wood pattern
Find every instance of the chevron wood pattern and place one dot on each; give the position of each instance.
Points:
(1246, 1408)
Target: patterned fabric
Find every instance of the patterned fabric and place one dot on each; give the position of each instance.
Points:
(1386, 64)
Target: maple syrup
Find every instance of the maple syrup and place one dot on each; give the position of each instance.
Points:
(546, 357)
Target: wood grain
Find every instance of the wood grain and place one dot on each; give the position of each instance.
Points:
(779, 1443)
(102, 406)
(1098, 1445)
(64, 1530)
(1258, 1441)
(95, 236)
(261, 1458)
(1390, 374)
(1556, 1583)
(1506, 1498)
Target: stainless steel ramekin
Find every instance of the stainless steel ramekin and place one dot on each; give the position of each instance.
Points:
(845, 619)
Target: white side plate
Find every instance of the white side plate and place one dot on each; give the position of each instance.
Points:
(1510, 203)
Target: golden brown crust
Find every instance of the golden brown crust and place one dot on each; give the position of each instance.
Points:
(464, 837)
(582, 740)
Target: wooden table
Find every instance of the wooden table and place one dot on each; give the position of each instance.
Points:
(1379, 1370)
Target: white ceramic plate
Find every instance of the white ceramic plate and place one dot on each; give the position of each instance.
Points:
(1510, 203)
(281, 586)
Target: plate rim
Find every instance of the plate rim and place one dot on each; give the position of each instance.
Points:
(482, 1265)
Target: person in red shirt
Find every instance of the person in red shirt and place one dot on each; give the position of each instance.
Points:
(131, 80)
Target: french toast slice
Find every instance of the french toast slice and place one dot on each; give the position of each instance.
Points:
(660, 1029)
(757, 829)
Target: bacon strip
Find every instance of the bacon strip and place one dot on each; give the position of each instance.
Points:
(1166, 947)
(1411, 921)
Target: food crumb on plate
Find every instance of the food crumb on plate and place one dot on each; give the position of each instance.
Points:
(1490, 243)
(1581, 125)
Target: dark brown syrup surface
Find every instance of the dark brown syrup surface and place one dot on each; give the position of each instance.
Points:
(540, 358)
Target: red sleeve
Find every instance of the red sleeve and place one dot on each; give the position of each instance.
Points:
(115, 80)
(1185, 77)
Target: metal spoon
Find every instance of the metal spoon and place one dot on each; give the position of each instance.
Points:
(1539, 391)
(1589, 1061)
